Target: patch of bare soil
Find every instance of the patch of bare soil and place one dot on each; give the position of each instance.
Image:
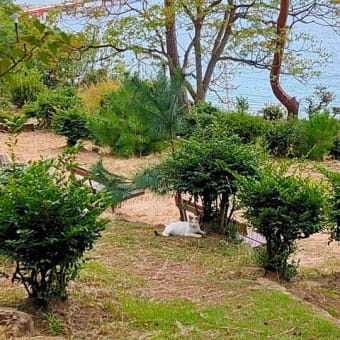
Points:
(149, 208)
(314, 254)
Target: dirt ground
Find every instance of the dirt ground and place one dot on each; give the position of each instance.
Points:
(313, 252)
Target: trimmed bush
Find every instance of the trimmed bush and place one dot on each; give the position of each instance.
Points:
(49, 102)
(282, 138)
(25, 87)
(206, 169)
(246, 126)
(334, 200)
(47, 221)
(283, 208)
(200, 115)
(72, 124)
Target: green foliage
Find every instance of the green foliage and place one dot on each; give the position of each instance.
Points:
(334, 200)
(309, 138)
(119, 187)
(272, 112)
(27, 39)
(6, 117)
(139, 117)
(5, 98)
(318, 135)
(119, 124)
(283, 208)
(72, 124)
(49, 102)
(205, 168)
(47, 220)
(335, 150)
(25, 86)
(200, 115)
(282, 138)
(242, 105)
(246, 126)
(55, 326)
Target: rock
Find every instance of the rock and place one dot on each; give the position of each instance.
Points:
(14, 323)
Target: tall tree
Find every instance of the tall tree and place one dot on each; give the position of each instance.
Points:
(213, 34)
(291, 104)
(171, 38)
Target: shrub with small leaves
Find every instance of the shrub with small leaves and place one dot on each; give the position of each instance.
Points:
(49, 102)
(334, 200)
(72, 124)
(48, 219)
(249, 128)
(206, 169)
(282, 138)
(26, 86)
(318, 134)
(200, 114)
(272, 112)
(283, 208)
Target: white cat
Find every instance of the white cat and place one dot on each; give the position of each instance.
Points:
(190, 228)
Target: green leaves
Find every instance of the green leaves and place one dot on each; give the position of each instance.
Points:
(38, 25)
(47, 220)
(140, 117)
(71, 123)
(283, 208)
(334, 201)
(30, 38)
(205, 166)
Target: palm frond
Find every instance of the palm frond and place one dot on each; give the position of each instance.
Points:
(119, 187)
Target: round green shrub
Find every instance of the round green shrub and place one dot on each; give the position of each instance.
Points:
(283, 208)
(25, 87)
(272, 112)
(205, 168)
(317, 135)
(49, 102)
(282, 138)
(246, 126)
(48, 219)
(72, 124)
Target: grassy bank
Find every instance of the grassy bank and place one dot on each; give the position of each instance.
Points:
(139, 286)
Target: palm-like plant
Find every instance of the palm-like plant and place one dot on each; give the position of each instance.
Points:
(119, 187)
(162, 102)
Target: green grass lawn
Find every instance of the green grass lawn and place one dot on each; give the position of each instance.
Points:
(138, 286)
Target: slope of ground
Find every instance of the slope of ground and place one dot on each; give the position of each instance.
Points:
(134, 277)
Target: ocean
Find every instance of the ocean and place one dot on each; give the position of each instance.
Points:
(253, 84)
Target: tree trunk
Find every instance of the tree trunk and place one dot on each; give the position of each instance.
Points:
(170, 35)
(198, 62)
(171, 44)
(291, 104)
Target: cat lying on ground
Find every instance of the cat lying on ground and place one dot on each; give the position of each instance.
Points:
(190, 228)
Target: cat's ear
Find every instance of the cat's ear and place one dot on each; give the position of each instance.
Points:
(190, 217)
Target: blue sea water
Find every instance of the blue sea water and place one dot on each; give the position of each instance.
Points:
(254, 84)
